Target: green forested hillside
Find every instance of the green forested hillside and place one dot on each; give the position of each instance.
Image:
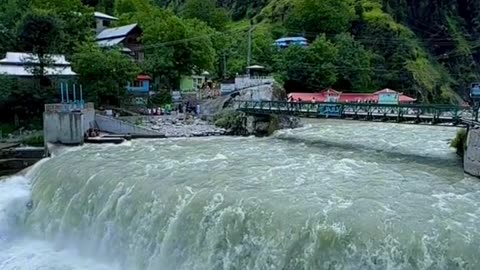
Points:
(426, 48)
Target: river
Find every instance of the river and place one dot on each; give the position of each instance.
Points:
(331, 195)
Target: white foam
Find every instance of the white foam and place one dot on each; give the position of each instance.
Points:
(21, 252)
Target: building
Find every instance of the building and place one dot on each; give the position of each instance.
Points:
(285, 42)
(126, 37)
(23, 64)
(103, 21)
(141, 85)
(192, 83)
(385, 96)
(255, 76)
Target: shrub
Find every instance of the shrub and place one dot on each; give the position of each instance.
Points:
(460, 142)
(35, 140)
(231, 120)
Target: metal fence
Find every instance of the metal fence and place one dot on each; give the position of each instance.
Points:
(436, 113)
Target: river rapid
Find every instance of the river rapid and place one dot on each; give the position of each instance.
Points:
(331, 195)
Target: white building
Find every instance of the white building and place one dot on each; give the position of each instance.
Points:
(255, 77)
(21, 64)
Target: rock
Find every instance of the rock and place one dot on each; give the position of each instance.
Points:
(155, 127)
(262, 127)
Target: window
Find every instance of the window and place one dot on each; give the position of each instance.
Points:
(106, 23)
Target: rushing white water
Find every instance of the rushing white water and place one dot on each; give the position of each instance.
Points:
(332, 195)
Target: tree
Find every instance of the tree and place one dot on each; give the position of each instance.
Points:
(6, 86)
(322, 56)
(10, 11)
(310, 69)
(320, 16)
(206, 10)
(353, 64)
(124, 7)
(236, 48)
(39, 33)
(132, 6)
(173, 46)
(74, 21)
(103, 73)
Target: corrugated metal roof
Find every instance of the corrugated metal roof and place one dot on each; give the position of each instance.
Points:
(22, 58)
(255, 67)
(348, 97)
(291, 39)
(16, 70)
(116, 32)
(14, 64)
(110, 42)
(104, 16)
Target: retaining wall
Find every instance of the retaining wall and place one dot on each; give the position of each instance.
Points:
(471, 158)
(66, 124)
(116, 126)
(63, 127)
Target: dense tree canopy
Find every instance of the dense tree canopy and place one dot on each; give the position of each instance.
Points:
(427, 49)
(173, 46)
(206, 10)
(320, 16)
(103, 73)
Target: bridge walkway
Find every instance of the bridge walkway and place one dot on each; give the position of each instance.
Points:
(412, 113)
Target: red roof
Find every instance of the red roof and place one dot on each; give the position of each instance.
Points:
(144, 78)
(348, 97)
(386, 90)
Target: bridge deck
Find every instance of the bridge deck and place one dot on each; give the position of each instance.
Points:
(415, 113)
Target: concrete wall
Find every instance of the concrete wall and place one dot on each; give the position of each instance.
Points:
(256, 93)
(67, 123)
(63, 127)
(88, 118)
(116, 126)
(226, 88)
(471, 158)
(242, 82)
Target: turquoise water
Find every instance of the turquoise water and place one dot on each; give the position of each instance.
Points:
(332, 195)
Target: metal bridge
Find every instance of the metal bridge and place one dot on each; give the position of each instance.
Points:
(400, 113)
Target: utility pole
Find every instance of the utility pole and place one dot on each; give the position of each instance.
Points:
(249, 55)
(224, 65)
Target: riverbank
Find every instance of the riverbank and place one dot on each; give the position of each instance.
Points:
(173, 126)
(227, 122)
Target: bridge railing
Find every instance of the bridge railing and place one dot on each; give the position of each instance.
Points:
(435, 112)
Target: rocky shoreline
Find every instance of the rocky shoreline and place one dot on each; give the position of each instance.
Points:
(228, 123)
(180, 126)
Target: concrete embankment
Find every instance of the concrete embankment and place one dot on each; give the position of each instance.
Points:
(67, 126)
(117, 126)
(471, 158)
